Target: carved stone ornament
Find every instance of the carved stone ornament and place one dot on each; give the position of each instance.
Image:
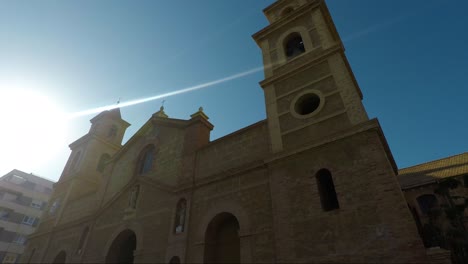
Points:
(133, 198)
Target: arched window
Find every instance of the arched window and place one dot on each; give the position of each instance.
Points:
(83, 237)
(146, 160)
(174, 260)
(103, 162)
(293, 45)
(112, 131)
(180, 216)
(288, 10)
(426, 202)
(60, 258)
(327, 191)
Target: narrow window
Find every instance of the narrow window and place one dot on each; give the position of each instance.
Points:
(174, 260)
(180, 216)
(28, 220)
(103, 162)
(426, 202)
(83, 237)
(9, 258)
(146, 160)
(4, 213)
(327, 191)
(288, 10)
(112, 131)
(294, 45)
(19, 239)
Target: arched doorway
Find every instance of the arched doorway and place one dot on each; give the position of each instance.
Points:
(60, 258)
(174, 260)
(122, 248)
(222, 243)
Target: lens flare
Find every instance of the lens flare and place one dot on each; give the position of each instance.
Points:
(156, 97)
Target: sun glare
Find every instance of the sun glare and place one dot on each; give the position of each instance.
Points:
(33, 129)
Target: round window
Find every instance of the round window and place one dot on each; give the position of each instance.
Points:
(307, 104)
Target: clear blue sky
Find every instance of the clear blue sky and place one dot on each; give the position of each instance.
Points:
(410, 59)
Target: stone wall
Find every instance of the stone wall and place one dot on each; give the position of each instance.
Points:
(168, 142)
(247, 197)
(232, 151)
(372, 223)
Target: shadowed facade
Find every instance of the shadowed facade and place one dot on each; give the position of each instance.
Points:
(313, 182)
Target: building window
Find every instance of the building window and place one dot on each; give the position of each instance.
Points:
(83, 237)
(28, 220)
(112, 131)
(307, 103)
(28, 185)
(4, 213)
(9, 258)
(146, 160)
(174, 260)
(180, 216)
(8, 196)
(36, 204)
(47, 190)
(288, 10)
(19, 239)
(327, 190)
(426, 202)
(103, 162)
(293, 45)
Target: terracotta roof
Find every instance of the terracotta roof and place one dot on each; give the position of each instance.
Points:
(431, 171)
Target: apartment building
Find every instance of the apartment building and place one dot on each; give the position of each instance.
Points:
(23, 199)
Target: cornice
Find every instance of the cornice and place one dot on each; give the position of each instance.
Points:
(277, 25)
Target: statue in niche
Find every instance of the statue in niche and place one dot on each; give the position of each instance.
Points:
(55, 205)
(112, 131)
(132, 201)
(180, 216)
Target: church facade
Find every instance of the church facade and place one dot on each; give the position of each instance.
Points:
(314, 182)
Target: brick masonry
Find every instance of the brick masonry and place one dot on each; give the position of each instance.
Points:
(264, 175)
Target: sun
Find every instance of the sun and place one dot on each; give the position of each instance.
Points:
(33, 129)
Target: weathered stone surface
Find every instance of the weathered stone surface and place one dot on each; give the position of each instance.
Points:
(256, 188)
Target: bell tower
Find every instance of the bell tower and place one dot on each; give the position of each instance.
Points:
(102, 141)
(309, 86)
(83, 172)
(329, 160)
